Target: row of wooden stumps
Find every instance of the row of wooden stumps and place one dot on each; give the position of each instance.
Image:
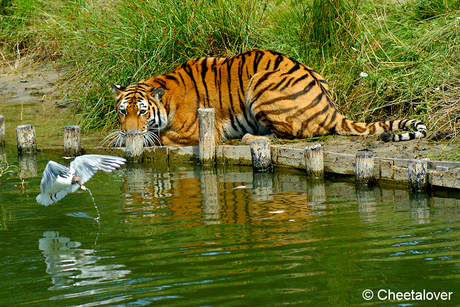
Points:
(364, 165)
(26, 140)
(314, 162)
(27, 146)
(260, 151)
(417, 169)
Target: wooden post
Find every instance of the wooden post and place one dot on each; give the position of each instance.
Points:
(314, 161)
(2, 130)
(72, 141)
(207, 131)
(364, 168)
(25, 138)
(261, 157)
(134, 145)
(417, 174)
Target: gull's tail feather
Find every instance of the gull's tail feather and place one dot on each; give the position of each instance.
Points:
(45, 201)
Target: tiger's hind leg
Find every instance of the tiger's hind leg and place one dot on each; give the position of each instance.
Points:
(300, 106)
(292, 105)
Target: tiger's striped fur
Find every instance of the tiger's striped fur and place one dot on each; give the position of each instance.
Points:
(258, 92)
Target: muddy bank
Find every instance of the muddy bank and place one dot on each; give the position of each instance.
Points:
(31, 84)
(400, 150)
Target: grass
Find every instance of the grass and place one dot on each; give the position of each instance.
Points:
(408, 50)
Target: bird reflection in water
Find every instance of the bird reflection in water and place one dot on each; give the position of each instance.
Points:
(70, 265)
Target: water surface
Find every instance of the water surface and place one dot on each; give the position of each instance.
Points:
(185, 236)
(49, 121)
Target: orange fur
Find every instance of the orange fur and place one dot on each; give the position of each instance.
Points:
(258, 92)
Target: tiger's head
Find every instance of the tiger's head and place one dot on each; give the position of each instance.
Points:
(139, 107)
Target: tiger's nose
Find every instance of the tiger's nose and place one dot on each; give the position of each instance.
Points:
(132, 123)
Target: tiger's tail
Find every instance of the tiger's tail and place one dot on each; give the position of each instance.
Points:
(385, 129)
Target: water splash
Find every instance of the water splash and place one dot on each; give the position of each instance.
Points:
(98, 216)
(95, 206)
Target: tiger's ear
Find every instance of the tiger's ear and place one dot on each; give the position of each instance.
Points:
(158, 93)
(117, 89)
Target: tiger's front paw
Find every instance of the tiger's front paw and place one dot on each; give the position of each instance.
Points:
(248, 138)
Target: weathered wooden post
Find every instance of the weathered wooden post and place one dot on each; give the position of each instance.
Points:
(25, 138)
(260, 154)
(2, 130)
(364, 168)
(314, 161)
(134, 148)
(417, 169)
(207, 138)
(72, 141)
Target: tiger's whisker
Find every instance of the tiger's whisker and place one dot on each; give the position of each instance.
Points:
(110, 138)
(150, 138)
(147, 140)
(158, 137)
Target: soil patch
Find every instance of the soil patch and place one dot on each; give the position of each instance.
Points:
(400, 150)
(31, 84)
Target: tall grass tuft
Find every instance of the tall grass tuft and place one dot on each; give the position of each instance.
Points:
(424, 9)
(333, 25)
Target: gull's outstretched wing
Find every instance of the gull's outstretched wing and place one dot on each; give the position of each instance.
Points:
(51, 188)
(87, 165)
(50, 174)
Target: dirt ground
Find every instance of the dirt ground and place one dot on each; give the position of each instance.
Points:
(401, 150)
(30, 84)
(41, 83)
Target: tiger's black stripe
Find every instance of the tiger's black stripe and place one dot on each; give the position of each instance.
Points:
(204, 71)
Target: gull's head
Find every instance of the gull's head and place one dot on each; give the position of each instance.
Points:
(76, 179)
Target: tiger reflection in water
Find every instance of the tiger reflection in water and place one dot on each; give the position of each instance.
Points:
(223, 198)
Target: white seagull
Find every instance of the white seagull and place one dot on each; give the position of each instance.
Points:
(58, 180)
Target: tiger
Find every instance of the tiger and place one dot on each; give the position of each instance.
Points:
(257, 92)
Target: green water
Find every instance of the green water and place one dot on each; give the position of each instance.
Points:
(48, 121)
(183, 236)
